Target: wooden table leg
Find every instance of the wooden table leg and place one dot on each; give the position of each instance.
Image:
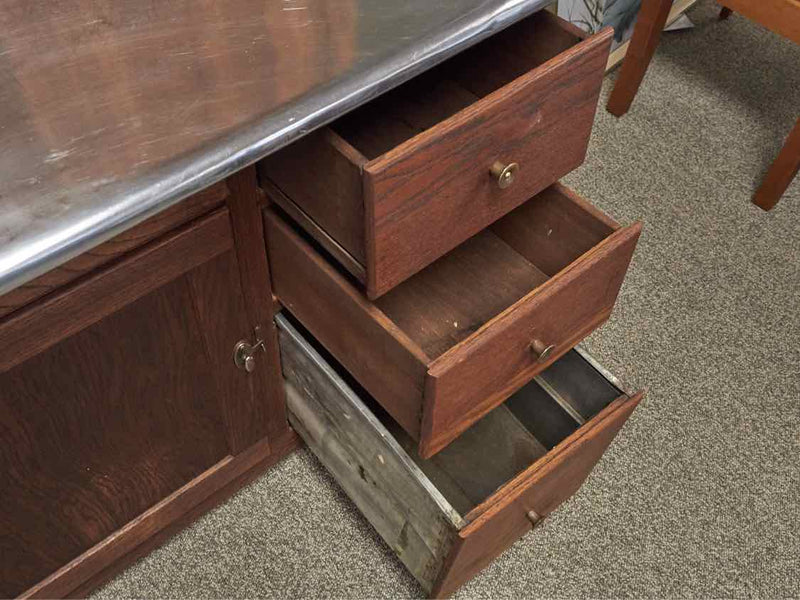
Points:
(781, 173)
(649, 25)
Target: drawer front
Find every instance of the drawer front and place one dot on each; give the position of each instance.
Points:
(480, 373)
(541, 489)
(431, 193)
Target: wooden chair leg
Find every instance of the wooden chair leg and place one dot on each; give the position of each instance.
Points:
(781, 173)
(646, 34)
(725, 13)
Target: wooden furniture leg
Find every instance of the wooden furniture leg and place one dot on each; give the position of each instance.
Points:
(781, 173)
(649, 25)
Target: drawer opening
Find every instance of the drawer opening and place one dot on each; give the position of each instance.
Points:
(410, 109)
(514, 435)
(447, 517)
(510, 438)
(451, 299)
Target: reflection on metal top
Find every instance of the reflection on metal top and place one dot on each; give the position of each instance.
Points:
(110, 112)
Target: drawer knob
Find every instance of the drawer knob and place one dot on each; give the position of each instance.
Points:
(535, 518)
(542, 350)
(504, 173)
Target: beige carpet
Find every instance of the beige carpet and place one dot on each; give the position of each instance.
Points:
(700, 494)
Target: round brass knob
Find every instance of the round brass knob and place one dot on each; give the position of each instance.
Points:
(244, 356)
(542, 350)
(535, 518)
(504, 173)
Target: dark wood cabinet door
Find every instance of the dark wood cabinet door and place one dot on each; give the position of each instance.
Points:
(117, 392)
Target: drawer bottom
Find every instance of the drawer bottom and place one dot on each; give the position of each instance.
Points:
(449, 516)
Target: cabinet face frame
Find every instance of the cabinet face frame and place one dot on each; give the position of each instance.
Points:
(436, 398)
(412, 180)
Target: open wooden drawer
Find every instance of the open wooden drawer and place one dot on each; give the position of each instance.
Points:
(455, 340)
(402, 180)
(448, 517)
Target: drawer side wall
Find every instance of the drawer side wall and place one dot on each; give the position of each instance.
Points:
(387, 488)
(359, 335)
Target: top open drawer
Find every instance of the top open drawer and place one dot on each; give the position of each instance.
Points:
(404, 179)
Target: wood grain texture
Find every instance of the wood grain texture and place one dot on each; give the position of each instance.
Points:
(264, 412)
(314, 229)
(502, 519)
(646, 35)
(103, 561)
(438, 181)
(451, 343)
(498, 471)
(555, 228)
(405, 178)
(382, 358)
(90, 443)
(780, 16)
(573, 303)
(321, 173)
(782, 172)
(47, 322)
(373, 470)
(453, 298)
(160, 224)
(218, 306)
(119, 388)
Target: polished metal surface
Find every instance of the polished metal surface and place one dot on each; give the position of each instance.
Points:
(112, 111)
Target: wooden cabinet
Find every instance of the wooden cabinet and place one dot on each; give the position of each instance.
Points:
(436, 279)
(121, 408)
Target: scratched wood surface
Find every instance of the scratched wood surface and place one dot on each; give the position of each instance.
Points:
(392, 493)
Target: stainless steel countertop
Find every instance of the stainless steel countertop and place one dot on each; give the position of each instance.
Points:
(113, 111)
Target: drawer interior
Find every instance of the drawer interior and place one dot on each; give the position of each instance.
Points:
(452, 298)
(514, 435)
(448, 516)
(432, 97)
(507, 440)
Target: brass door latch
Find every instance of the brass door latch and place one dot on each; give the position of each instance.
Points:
(244, 352)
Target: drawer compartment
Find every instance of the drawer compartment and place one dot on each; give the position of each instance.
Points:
(397, 183)
(448, 517)
(455, 340)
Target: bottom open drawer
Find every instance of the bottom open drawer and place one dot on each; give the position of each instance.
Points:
(449, 516)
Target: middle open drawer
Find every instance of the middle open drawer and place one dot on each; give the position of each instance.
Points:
(455, 340)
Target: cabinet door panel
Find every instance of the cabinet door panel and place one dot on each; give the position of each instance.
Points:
(125, 407)
(89, 442)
